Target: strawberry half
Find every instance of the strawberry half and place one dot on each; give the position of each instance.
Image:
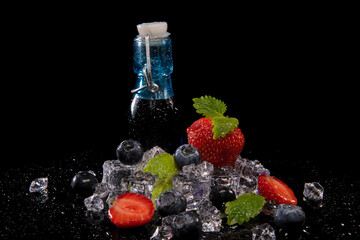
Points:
(131, 210)
(273, 188)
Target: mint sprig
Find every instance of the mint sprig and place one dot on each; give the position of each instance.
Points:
(246, 206)
(209, 106)
(213, 108)
(164, 166)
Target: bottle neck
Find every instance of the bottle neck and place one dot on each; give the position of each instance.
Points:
(161, 67)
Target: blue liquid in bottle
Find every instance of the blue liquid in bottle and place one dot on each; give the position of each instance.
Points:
(154, 118)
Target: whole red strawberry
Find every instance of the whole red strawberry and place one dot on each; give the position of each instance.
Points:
(217, 137)
(220, 152)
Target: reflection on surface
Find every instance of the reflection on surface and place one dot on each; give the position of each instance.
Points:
(59, 213)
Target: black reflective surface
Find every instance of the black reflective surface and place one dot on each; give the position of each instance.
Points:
(287, 78)
(62, 215)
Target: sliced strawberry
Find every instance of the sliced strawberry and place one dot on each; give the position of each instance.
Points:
(131, 210)
(273, 188)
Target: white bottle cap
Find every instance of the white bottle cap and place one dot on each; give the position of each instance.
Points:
(154, 29)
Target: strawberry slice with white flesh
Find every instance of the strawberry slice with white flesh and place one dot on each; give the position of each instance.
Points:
(273, 188)
(131, 210)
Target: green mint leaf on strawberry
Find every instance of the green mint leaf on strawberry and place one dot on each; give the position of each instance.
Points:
(246, 206)
(209, 106)
(213, 108)
(164, 166)
(222, 125)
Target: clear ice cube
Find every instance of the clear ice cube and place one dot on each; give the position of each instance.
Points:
(263, 232)
(101, 189)
(115, 175)
(149, 155)
(111, 166)
(111, 198)
(248, 167)
(209, 216)
(39, 185)
(142, 183)
(162, 233)
(94, 203)
(313, 191)
(194, 181)
(202, 171)
(40, 197)
(227, 177)
(249, 172)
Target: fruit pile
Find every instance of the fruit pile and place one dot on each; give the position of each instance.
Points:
(215, 141)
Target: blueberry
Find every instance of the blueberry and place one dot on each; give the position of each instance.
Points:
(84, 183)
(186, 225)
(185, 155)
(170, 202)
(219, 195)
(129, 152)
(289, 216)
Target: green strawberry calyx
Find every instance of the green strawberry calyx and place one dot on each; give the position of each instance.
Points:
(213, 108)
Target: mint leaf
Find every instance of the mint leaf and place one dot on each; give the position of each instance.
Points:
(246, 206)
(161, 185)
(222, 125)
(209, 106)
(162, 165)
(213, 108)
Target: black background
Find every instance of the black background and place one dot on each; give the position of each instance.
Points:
(283, 72)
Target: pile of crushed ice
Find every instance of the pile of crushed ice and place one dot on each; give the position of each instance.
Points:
(194, 181)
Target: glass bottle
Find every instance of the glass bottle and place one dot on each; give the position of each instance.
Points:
(154, 118)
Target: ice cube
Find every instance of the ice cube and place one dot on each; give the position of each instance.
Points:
(263, 232)
(249, 172)
(209, 216)
(115, 174)
(247, 184)
(101, 189)
(194, 181)
(201, 171)
(111, 198)
(142, 183)
(110, 166)
(248, 167)
(149, 155)
(94, 203)
(313, 191)
(39, 185)
(41, 196)
(227, 177)
(162, 233)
